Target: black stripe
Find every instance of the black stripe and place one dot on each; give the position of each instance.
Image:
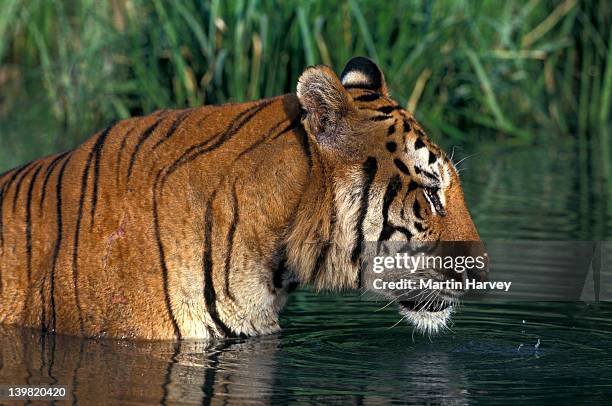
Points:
(15, 173)
(361, 85)
(3, 190)
(295, 124)
(381, 117)
(195, 148)
(120, 152)
(401, 166)
(402, 230)
(77, 230)
(391, 146)
(172, 128)
(416, 208)
(19, 183)
(391, 130)
(143, 137)
(162, 260)
(368, 97)
(230, 237)
(58, 241)
(28, 238)
(393, 188)
(230, 242)
(29, 223)
(48, 173)
(388, 109)
(370, 167)
(205, 116)
(428, 174)
(265, 137)
(97, 149)
(419, 143)
(407, 127)
(228, 134)
(210, 295)
(219, 139)
(432, 158)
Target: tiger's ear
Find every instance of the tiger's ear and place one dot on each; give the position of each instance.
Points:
(325, 102)
(363, 73)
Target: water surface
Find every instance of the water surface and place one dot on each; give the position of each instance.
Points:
(340, 349)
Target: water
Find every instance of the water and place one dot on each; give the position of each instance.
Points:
(341, 349)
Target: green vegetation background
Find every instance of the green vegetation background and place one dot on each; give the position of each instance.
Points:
(511, 71)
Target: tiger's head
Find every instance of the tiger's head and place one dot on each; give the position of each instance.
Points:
(390, 183)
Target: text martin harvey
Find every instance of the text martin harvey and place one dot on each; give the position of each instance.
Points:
(469, 284)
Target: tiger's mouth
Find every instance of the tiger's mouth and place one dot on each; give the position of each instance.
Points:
(428, 317)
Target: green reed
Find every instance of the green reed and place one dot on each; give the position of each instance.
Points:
(515, 71)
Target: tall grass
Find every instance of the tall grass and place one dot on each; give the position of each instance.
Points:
(518, 71)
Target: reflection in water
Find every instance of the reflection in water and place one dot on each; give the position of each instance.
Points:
(142, 372)
(232, 372)
(357, 359)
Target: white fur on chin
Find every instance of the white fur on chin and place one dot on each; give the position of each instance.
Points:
(428, 322)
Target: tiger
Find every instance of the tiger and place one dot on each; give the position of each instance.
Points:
(198, 223)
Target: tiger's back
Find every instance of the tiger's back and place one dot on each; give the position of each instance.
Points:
(82, 238)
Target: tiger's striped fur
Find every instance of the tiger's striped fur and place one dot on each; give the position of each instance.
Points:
(197, 223)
